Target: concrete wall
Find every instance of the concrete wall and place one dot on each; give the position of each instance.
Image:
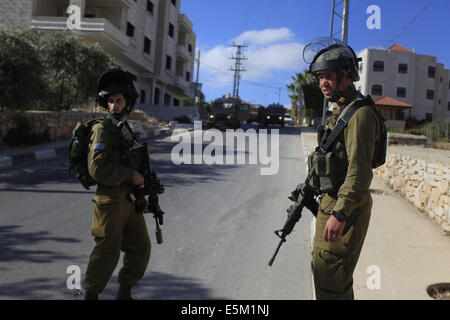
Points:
(61, 124)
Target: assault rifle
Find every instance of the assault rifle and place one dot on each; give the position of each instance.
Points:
(152, 188)
(302, 196)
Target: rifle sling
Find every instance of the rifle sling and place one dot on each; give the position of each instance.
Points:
(342, 123)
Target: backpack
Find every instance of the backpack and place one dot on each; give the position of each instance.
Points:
(78, 152)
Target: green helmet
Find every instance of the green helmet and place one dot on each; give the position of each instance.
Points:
(329, 54)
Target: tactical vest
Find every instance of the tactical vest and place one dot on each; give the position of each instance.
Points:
(328, 164)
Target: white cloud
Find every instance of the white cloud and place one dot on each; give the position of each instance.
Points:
(268, 52)
(264, 37)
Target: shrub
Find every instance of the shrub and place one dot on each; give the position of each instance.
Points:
(22, 134)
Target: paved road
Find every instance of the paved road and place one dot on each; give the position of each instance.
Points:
(218, 231)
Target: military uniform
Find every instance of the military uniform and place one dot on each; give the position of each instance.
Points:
(334, 262)
(116, 226)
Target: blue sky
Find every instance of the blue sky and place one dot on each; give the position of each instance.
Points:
(277, 30)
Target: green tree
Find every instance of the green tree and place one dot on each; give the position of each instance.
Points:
(73, 68)
(49, 71)
(313, 96)
(306, 93)
(21, 71)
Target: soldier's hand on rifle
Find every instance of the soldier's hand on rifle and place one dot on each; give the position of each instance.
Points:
(142, 203)
(138, 179)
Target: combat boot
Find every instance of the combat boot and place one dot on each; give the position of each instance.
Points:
(91, 296)
(124, 292)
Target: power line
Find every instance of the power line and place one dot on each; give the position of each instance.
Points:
(412, 21)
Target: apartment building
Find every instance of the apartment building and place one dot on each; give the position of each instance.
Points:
(149, 38)
(415, 85)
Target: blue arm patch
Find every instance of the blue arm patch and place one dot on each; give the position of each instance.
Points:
(99, 146)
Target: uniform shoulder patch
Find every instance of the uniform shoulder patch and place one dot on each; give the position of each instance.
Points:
(99, 146)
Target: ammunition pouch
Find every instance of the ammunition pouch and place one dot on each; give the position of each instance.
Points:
(326, 170)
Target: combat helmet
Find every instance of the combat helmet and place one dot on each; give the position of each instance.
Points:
(116, 81)
(330, 54)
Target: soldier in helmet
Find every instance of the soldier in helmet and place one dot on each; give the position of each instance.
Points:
(344, 213)
(116, 225)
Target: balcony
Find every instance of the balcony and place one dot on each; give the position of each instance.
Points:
(183, 53)
(184, 23)
(181, 83)
(109, 3)
(92, 29)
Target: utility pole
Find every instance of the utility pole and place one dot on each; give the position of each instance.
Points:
(196, 81)
(345, 22)
(238, 67)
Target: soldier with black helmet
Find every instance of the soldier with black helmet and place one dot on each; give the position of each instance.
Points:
(116, 226)
(345, 206)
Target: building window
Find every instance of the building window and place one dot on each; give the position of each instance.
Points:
(448, 106)
(171, 30)
(190, 48)
(176, 102)
(174, 2)
(167, 98)
(130, 30)
(402, 68)
(188, 76)
(147, 45)
(430, 94)
(150, 6)
(401, 92)
(377, 90)
(361, 67)
(378, 66)
(168, 62)
(429, 117)
(431, 72)
(399, 115)
(142, 96)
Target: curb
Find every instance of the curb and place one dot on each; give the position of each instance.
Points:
(313, 224)
(51, 153)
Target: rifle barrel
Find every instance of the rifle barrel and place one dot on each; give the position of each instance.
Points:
(276, 251)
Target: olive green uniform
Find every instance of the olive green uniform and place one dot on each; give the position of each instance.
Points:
(115, 226)
(334, 262)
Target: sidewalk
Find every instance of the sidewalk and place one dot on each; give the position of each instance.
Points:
(404, 246)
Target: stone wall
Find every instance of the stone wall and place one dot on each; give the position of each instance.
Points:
(61, 124)
(424, 183)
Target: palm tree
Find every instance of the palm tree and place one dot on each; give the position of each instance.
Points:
(296, 90)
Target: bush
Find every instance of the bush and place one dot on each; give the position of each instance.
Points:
(436, 130)
(22, 135)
